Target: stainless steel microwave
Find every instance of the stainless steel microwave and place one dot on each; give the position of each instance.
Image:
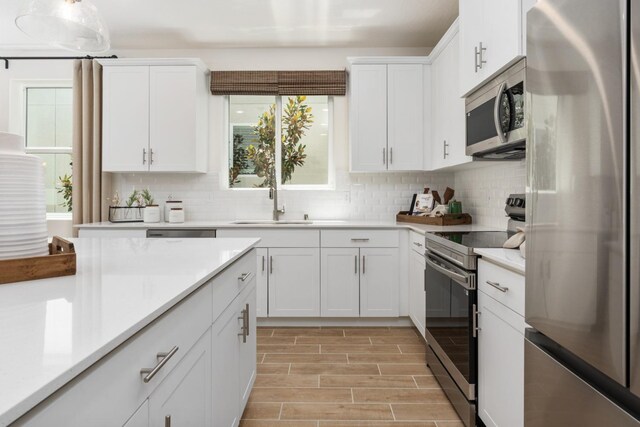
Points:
(495, 116)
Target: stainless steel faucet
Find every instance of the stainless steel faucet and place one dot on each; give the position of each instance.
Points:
(273, 195)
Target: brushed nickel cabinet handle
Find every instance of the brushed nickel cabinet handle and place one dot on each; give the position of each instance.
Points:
(497, 286)
(391, 155)
(362, 239)
(474, 316)
(418, 244)
(246, 313)
(243, 328)
(163, 359)
(167, 421)
(144, 156)
(384, 156)
(263, 263)
(271, 264)
(355, 258)
(244, 277)
(363, 265)
(150, 156)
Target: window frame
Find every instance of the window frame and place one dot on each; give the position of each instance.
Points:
(330, 185)
(18, 121)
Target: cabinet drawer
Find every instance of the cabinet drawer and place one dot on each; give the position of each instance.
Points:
(512, 284)
(276, 238)
(359, 238)
(112, 389)
(416, 242)
(230, 283)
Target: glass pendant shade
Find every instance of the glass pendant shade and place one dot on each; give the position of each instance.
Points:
(71, 24)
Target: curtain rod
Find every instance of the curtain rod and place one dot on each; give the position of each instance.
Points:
(6, 59)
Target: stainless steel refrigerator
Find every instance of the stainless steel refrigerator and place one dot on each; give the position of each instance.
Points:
(582, 355)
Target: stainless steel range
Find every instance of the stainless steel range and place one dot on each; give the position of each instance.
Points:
(451, 302)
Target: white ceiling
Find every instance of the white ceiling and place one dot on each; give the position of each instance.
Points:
(201, 24)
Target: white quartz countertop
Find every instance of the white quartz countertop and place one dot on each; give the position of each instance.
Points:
(509, 258)
(53, 329)
(317, 224)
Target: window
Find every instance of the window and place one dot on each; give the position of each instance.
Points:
(47, 127)
(304, 143)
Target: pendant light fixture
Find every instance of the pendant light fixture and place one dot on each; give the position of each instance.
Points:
(71, 24)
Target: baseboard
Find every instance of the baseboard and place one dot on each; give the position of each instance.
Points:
(334, 321)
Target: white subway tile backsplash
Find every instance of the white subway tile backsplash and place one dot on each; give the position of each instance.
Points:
(374, 196)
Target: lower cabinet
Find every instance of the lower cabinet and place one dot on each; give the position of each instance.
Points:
(233, 361)
(417, 294)
(340, 282)
(500, 349)
(202, 353)
(359, 282)
(184, 397)
(294, 282)
(379, 282)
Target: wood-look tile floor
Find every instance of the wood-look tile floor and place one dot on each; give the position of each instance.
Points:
(345, 377)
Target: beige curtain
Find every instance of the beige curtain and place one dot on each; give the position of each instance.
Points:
(91, 186)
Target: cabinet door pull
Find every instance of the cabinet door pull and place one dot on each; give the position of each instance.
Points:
(363, 265)
(384, 156)
(355, 257)
(244, 277)
(150, 156)
(497, 286)
(391, 155)
(263, 263)
(163, 358)
(244, 329)
(475, 327)
(418, 244)
(144, 156)
(167, 421)
(359, 239)
(481, 60)
(246, 313)
(271, 264)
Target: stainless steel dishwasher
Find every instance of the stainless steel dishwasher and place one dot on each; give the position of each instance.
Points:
(181, 233)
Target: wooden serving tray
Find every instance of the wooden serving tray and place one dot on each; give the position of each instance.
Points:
(61, 261)
(447, 219)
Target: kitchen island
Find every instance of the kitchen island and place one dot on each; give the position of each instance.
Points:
(74, 347)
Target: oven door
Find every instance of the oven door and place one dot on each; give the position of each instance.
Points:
(451, 320)
(495, 116)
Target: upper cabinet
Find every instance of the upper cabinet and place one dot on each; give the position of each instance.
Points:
(492, 37)
(448, 139)
(155, 116)
(389, 103)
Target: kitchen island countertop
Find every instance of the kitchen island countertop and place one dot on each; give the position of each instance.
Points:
(51, 330)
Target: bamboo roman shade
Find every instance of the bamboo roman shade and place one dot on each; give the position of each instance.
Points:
(323, 82)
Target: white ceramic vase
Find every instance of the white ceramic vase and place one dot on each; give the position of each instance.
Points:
(151, 213)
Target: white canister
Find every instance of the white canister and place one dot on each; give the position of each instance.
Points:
(176, 215)
(151, 213)
(168, 205)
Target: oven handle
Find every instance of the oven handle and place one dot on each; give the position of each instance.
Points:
(463, 280)
(496, 113)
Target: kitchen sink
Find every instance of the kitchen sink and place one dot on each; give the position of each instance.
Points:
(271, 222)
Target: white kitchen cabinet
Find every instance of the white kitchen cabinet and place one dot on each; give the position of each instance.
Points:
(140, 418)
(340, 282)
(154, 116)
(379, 282)
(247, 350)
(184, 397)
(206, 381)
(262, 283)
(233, 359)
(492, 37)
(368, 117)
(225, 365)
(405, 116)
(417, 295)
(500, 346)
(125, 118)
(177, 119)
(448, 138)
(294, 282)
(387, 102)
